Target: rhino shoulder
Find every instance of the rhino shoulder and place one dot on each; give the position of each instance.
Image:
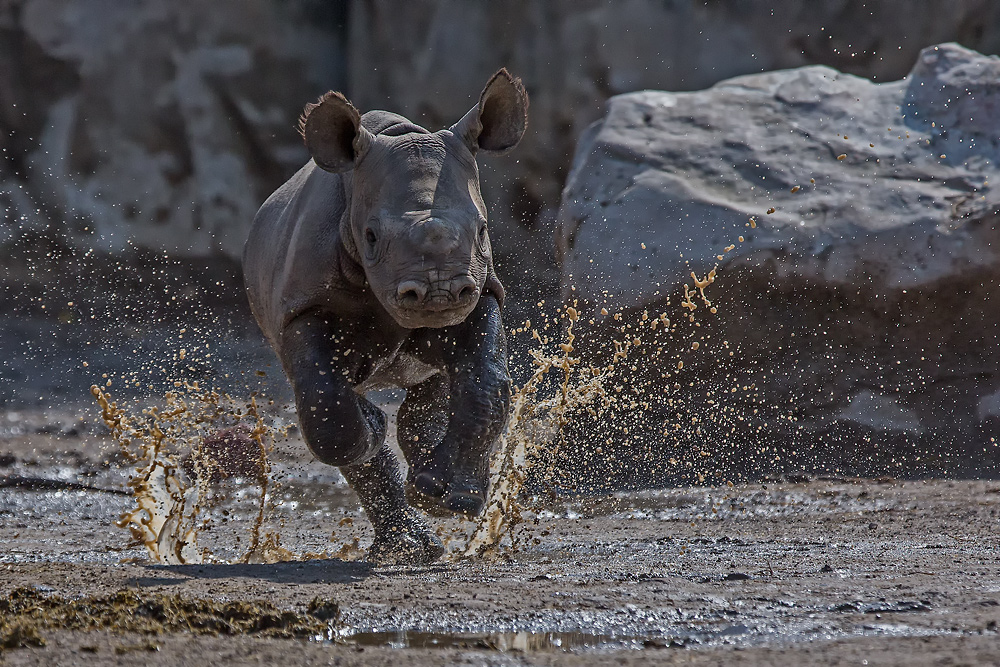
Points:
(293, 257)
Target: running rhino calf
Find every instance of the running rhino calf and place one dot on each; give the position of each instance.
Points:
(371, 268)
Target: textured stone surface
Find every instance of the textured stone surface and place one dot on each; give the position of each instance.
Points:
(163, 125)
(863, 303)
(683, 173)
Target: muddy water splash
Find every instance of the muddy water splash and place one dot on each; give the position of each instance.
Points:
(562, 390)
(178, 457)
(176, 468)
(537, 420)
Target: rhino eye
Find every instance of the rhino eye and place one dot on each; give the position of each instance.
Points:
(482, 232)
(370, 237)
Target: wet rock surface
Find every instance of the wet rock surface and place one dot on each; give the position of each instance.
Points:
(754, 574)
(852, 226)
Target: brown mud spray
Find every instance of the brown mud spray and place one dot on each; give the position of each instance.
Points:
(175, 475)
(176, 470)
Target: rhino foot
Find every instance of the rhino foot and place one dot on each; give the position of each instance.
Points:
(469, 504)
(429, 484)
(410, 543)
(464, 496)
(428, 504)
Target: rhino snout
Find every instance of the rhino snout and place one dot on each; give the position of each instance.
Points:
(440, 295)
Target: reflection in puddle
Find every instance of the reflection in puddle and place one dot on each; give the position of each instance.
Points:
(505, 641)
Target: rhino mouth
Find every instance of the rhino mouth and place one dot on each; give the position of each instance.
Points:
(418, 304)
(431, 316)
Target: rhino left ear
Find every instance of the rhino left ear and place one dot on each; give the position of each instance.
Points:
(497, 123)
(333, 133)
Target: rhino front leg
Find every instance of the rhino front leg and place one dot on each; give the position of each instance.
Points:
(346, 430)
(475, 354)
(420, 427)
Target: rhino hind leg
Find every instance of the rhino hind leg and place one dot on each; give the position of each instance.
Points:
(401, 535)
(345, 430)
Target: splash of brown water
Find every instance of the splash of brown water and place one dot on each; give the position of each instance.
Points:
(173, 476)
(542, 410)
(173, 471)
(536, 421)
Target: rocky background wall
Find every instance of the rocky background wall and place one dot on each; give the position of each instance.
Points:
(140, 135)
(147, 132)
(137, 139)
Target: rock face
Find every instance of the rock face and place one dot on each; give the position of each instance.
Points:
(160, 125)
(853, 227)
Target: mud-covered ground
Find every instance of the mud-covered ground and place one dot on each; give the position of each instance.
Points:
(829, 571)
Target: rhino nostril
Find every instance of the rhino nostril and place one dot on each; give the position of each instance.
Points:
(467, 293)
(411, 293)
(463, 289)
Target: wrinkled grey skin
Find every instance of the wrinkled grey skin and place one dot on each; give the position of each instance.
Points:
(371, 268)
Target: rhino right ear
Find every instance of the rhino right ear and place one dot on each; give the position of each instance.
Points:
(333, 133)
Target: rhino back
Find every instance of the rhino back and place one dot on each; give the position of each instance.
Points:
(291, 258)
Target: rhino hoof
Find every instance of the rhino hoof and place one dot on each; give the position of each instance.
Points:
(468, 503)
(405, 548)
(429, 484)
(465, 495)
(424, 503)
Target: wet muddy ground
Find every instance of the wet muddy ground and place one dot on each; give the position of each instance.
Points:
(831, 571)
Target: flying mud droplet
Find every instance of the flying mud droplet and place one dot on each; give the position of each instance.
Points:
(194, 438)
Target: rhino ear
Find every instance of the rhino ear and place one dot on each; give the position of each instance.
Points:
(497, 123)
(333, 133)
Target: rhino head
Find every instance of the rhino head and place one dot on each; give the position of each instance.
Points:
(416, 221)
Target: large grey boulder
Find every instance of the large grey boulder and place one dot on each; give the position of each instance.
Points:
(857, 304)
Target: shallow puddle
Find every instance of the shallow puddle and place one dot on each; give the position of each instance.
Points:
(507, 641)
